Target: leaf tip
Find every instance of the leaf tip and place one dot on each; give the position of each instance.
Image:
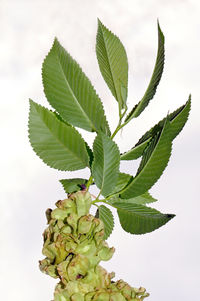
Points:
(56, 42)
(170, 216)
(31, 101)
(190, 98)
(160, 33)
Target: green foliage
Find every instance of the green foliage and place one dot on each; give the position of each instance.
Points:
(123, 180)
(144, 198)
(139, 219)
(105, 167)
(177, 120)
(70, 92)
(60, 146)
(154, 161)
(58, 143)
(113, 63)
(107, 218)
(155, 79)
(73, 185)
(135, 152)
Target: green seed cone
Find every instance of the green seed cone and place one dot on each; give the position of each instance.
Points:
(74, 247)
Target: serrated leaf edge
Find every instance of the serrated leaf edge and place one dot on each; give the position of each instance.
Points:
(59, 121)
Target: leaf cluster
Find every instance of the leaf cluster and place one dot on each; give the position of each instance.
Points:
(75, 104)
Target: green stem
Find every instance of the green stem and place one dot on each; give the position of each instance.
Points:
(100, 201)
(90, 181)
(120, 125)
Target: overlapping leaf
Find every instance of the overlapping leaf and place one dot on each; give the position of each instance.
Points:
(113, 63)
(60, 146)
(70, 92)
(135, 152)
(139, 219)
(154, 161)
(73, 185)
(107, 218)
(177, 120)
(90, 154)
(155, 79)
(122, 181)
(105, 167)
(142, 199)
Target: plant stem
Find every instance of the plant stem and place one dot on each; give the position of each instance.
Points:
(99, 201)
(89, 182)
(120, 125)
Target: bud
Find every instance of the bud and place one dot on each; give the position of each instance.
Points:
(48, 215)
(89, 296)
(78, 267)
(85, 223)
(74, 246)
(83, 202)
(77, 297)
(106, 253)
(102, 296)
(117, 297)
(59, 214)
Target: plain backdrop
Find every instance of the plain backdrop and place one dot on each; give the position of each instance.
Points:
(165, 262)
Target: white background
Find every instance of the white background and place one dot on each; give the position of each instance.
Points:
(166, 261)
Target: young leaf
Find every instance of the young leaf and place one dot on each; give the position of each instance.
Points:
(113, 63)
(70, 92)
(60, 146)
(107, 218)
(154, 161)
(139, 219)
(145, 198)
(73, 185)
(155, 79)
(105, 167)
(177, 120)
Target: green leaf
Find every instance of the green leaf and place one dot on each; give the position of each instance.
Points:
(107, 218)
(70, 92)
(60, 146)
(73, 185)
(154, 161)
(105, 167)
(145, 198)
(113, 63)
(177, 119)
(90, 154)
(122, 181)
(139, 219)
(155, 79)
(135, 152)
